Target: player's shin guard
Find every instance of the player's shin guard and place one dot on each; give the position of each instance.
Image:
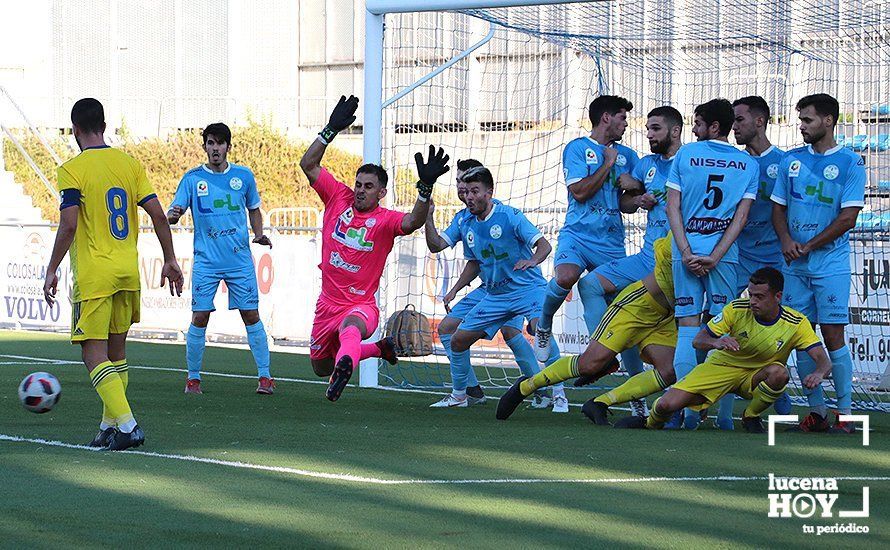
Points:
(762, 397)
(815, 397)
(524, 354)
(194, 350)
(259, 347)
(108, 385)
(560, 371)
(638, 386)
(842, 376)
(656, 418)
(685, 361)
(123, 372)
(553, 300)
(471, 374)
(460, 372)
(593, 298)
(555, 355)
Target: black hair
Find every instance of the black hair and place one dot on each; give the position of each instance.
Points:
(719, 111)
(611, 104)
(480, 174)
(756, 105)
(218, 130)
(466, 164)
(88, 115)
(670, 115)
(768, 276)
(376, 170)
(824, 104)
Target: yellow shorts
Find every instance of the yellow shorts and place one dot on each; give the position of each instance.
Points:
(96, 318)
(636, 319)
(714, 381)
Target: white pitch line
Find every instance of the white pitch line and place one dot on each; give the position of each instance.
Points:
(380, 481)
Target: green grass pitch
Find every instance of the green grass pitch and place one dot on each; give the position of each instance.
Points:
(457, 472)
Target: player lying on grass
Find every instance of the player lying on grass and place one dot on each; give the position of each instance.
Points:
(511, 331)
(641, 315)
(357, 236)
(752, 339)
(499, 241)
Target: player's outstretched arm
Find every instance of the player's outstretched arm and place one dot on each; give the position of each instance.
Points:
(64, 238)
(469, 273)
(427, 173)
(434, 241)
(823, 367)
(170, 272)
(341, 118)
(256, 224)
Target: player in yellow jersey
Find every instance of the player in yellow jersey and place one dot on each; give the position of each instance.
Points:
(641, 315)
(101, 188)
(753, 339)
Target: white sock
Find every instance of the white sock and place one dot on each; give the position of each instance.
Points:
(127, 427)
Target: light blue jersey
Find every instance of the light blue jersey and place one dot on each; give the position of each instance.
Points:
(600, 215)
(653, 172)
(758, 242)
(713, 177)
(503, 238)
(452, 234)
(218, 202)
(815, 188)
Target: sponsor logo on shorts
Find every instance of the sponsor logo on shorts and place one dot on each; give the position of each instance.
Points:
(794, 169)
(831, 172)
(337, 261)
(683, 301)
(718, 298)
(772, 171)
(236, 184)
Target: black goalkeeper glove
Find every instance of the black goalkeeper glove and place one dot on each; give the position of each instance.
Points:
(342, 117)
(436, 165)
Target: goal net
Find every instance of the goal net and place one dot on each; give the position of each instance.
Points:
(517, 99)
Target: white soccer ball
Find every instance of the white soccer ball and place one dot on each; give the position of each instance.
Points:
(39, 392)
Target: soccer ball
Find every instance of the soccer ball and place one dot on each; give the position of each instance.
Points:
(39, 392)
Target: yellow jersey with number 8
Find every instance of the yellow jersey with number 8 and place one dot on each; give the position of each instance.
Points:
(107, 184)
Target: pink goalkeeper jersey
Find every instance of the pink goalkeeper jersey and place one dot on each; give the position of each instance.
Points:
(354, 245)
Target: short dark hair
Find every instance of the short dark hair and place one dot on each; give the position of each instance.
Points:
(720, 111)
(480, 174)
(611, 104)
(466, 164)
(670, 115)
(88, 115)
(756, 105)
(768, 276)
(824, 104)
(376, 170)
(218, 130)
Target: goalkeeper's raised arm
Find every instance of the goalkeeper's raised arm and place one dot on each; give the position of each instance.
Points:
(341, 118)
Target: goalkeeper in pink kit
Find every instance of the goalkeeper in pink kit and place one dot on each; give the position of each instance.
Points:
(357, 236)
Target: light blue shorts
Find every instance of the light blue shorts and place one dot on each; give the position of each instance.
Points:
(466, 304)
(714, 290)
(241, 285)
(624, 271)
(585, 253)
(494, 310)
(824, 300)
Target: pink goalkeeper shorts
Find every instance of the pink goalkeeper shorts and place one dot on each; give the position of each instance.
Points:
(326, 327)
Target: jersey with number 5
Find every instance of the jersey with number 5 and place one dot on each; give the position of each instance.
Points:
(713, 178)
(107, 184)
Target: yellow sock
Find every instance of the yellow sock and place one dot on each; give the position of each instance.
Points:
(123, 370)
(656, 421)
(762, 397)
(109, 387)
(563, 369)
(640, 385)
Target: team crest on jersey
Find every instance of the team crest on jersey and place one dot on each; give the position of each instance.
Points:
(772, 171)
(370, 222)
(495, 231)
(235, 184)
(203, 191)
(620, 160)
(650, 175)
(779, 344)
(590, 156)
(471, 239)
(831, 172)
(794, 169)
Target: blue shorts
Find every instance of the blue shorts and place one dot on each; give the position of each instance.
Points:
(824, 300)
(747, 266)
(494, 310)
(466, 304)
(624, 271)
(583, 253)
(691, 292)
(241, 285)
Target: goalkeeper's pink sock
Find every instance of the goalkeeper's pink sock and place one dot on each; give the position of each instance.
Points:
(350, 344)
(370, 350)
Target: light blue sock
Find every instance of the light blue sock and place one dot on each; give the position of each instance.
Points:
(842, 376)
(684, 362)
(194, 350)
(524, 354)
(259, 347)
(460, 371)
(593, 297)
(815, 397)
(446, 343)
(631, 361)
(555, 354)
(553, 300)
(724, 411)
